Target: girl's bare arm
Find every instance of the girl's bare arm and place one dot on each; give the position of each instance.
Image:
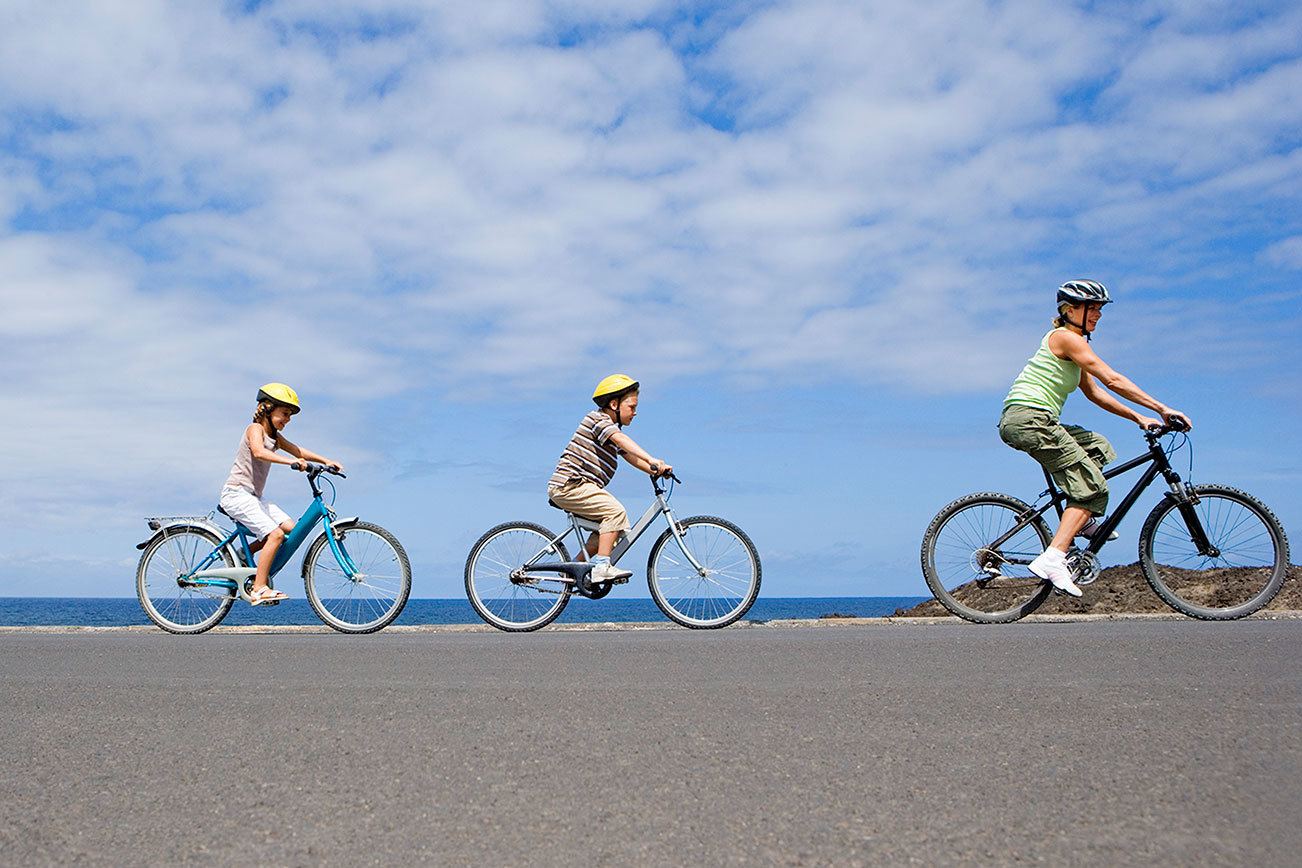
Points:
(306, 454)
(254, 434)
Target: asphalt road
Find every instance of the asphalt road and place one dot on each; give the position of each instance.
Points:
(1157, 742)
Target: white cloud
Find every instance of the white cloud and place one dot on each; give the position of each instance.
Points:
(430, 193)
(1286, 253)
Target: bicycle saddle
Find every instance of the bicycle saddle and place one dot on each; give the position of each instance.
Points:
(224, 512)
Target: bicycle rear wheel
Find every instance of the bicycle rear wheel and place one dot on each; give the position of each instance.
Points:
(175, 607)
(522, 604)
(364, 600)
(1243, 574)
(975, 579)
(727, 589)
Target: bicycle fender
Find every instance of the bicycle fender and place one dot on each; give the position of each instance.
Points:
(200, 525)
(162, 531)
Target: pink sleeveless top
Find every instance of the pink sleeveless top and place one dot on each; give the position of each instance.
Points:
(247, 472)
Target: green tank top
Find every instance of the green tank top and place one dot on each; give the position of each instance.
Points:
(1045, 382)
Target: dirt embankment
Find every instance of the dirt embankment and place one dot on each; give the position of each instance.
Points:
(1118, 590)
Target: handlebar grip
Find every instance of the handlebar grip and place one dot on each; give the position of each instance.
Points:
(1177, 425)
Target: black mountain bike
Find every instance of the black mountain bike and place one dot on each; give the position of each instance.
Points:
(1209, 551)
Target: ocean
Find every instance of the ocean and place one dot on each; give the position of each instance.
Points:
(124, 611)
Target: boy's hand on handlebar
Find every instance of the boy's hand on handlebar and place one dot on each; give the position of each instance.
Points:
(299, 465)
(1148, 423)
(660, 469)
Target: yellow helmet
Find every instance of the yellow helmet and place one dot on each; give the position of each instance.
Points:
(615, 384)
(279, 393)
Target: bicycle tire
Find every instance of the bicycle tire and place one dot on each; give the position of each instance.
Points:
(385, 595)
(957, 581)
(510, 607)
(1253, 555)
(737, 595)
(184, 555)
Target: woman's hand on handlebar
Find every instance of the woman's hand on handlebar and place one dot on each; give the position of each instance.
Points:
(1176, 420)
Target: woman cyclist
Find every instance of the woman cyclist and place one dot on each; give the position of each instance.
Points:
(1073, 456)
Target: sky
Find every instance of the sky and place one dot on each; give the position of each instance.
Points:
(824, 235)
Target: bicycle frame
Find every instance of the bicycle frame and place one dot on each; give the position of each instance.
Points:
(1158, 465)
(580, 527)
(229, 577)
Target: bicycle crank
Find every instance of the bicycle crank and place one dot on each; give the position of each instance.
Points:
(1084, 566)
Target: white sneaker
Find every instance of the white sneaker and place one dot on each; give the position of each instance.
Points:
(608, 572)
(1092, 527)
(1052, 566)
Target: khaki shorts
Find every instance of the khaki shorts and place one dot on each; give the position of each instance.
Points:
(1073, 456)
(591, 501)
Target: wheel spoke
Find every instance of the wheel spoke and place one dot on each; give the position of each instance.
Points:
(366, 600)
(1243, 575)
(717, 598)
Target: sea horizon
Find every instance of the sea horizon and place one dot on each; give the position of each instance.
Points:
(126, 611)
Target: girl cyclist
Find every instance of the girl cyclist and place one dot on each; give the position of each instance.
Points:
(241, 496)
(1073, 456)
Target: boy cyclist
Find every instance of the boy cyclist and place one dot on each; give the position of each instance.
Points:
(588, 464)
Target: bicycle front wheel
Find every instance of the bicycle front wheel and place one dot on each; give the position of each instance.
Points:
(1241, 572)
(972, 576)
(366, 594)
(520, 603)
(175, 607)
(722, 590)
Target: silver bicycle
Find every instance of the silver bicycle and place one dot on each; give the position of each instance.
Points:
(703, 571)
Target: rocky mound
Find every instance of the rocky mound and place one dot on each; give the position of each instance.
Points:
(1118, 590)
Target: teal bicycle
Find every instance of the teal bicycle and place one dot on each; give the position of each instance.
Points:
(355, 573)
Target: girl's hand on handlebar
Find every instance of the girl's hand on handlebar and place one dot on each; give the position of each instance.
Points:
(299, 465)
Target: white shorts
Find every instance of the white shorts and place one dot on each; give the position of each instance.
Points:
(254, 513)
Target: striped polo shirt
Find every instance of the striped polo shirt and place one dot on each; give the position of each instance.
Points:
(589, 456)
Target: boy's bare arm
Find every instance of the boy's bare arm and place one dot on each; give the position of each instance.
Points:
(634, 454)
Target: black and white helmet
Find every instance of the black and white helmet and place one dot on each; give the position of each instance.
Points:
(1079, 291)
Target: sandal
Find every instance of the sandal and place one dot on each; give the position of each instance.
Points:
(266, 595)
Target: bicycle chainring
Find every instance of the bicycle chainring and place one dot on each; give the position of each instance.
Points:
(1084, 566)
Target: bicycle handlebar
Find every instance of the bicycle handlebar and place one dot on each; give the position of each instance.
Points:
(1174, 426)
(315, 470)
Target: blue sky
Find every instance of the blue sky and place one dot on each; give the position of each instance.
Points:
(824, 235)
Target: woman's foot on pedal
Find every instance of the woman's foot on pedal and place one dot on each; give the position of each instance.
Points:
(1051, 566)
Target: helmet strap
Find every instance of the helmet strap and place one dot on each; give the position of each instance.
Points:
(1084, 329)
